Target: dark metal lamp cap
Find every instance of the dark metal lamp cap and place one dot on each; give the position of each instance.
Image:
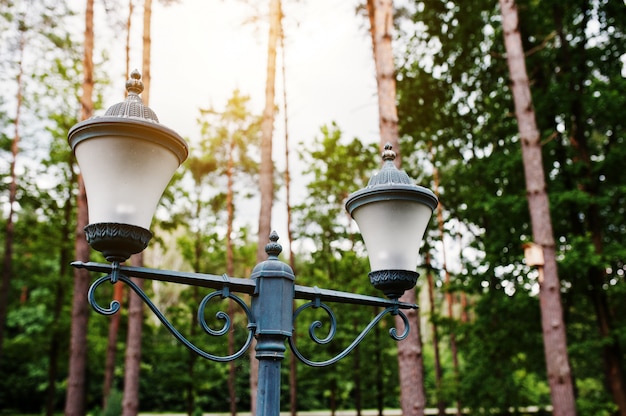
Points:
(133, 105)
(391, 183)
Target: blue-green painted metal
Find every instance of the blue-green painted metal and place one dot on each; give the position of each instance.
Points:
(270, 317)
(393, 310)
(115, 276)
(391, 183)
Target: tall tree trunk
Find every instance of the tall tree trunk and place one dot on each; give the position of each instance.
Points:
(192, 356)
(118, 289)
(378, 365)
(449, 296)
(132, 362)
(554, 337)
(380, 13)
(410, 360)
(441, 405)
(75, 397)
(230, 270)
(356, 376)
(56, 336)
(146, 75)
(130, 402)
(266, 179)
(111, 351)
(293, 369)
(266, 174)
(7, 264)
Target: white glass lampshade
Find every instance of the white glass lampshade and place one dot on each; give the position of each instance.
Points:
(392, 214)
(392, 231)
(126, 159)
(124, 177)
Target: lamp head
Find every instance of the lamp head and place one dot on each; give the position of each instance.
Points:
(392, 214)
(126, 159)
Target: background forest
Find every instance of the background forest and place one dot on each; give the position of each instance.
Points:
(480, 318)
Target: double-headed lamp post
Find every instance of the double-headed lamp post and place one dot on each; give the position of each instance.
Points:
(127, 159)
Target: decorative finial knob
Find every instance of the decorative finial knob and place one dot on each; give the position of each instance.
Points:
(273, 249)
(388, 154)
(134, 85)
(133, 106)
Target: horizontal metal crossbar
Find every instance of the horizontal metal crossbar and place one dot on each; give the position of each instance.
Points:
(246, 286)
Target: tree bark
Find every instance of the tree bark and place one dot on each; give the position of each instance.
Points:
(441, 405)
(555, 343)
(266, 174)
(132, 361)
(118, 289)
(266, 179)
(410, 360)
(7, 264)
(146, 75)
(293, 368)
(111, 351)
(56, 335)
(230, 271)
(449, 295)
(130, 402)
(75, 396)
(380, 13)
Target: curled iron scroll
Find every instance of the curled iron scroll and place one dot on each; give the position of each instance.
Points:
(114, 307)
(393, 310)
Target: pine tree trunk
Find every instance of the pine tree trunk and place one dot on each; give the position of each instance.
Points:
(75, 396)
(293, 368)
(192, 356)
(410, 360)
(111, 351)
(56, 336)
(266, 179)
(554, 337)
(230, 271)
(132, 362)
(380, 13)
(441, 405)
(449, 296)
(378, 365)
(130, 402)
(118, 289)
(266, 174)
(7, 264)
(356, 376)
(146, 75)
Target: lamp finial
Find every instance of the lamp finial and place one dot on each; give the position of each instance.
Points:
(134, 85)
(273, 249)
(388, 154)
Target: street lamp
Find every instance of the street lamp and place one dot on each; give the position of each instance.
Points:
(127, 158)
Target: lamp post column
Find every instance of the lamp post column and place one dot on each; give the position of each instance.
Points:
(272, 307)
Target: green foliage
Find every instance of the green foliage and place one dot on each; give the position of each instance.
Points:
(456, 113)
(114, 404)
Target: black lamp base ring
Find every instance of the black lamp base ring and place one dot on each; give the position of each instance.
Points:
(393, 283)
(117, 242)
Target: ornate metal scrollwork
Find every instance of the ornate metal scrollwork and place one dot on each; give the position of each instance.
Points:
(393, 310)
(224, 293)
